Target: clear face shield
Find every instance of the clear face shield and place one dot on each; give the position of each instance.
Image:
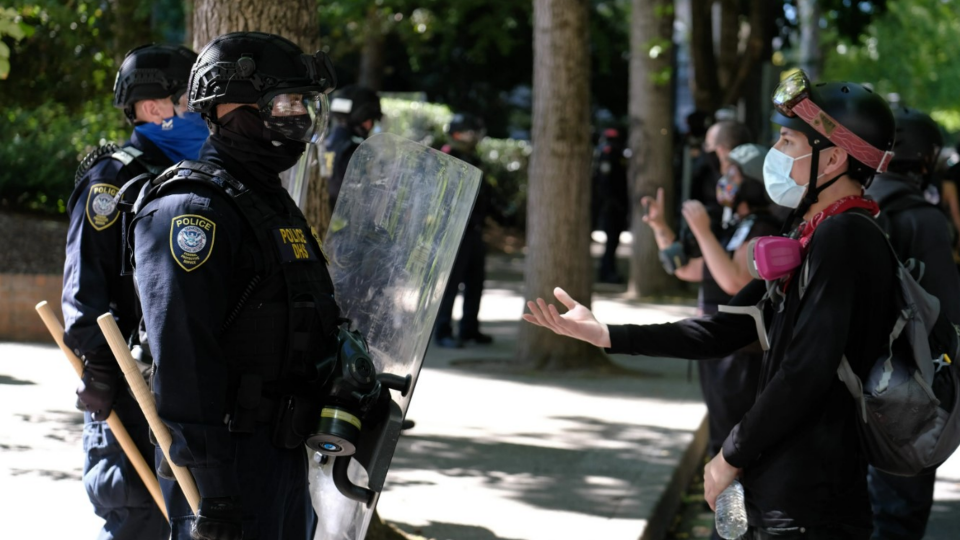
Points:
(299, 116)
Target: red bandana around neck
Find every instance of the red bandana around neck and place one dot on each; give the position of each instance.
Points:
(838, 207)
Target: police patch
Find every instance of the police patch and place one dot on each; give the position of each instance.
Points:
(101, 208)
(191, 240)
(293, 245)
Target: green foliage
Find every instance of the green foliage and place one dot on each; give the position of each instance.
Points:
(13, 27)
(43, 146)
(504, 160)
(67, 59)
(911, 50)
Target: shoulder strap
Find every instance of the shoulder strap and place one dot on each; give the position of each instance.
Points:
(90, 159)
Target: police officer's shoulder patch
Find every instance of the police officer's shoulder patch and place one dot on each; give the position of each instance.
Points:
(101, 207)
(191, 240)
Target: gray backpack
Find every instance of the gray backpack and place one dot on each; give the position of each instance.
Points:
(908, 404)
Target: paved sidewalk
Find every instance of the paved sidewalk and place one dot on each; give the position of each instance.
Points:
(492, 456)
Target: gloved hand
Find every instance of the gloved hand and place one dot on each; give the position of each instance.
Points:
(218, 519)
(98, 388)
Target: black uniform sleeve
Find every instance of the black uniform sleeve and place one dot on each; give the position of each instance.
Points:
(92, 265)
(187, 246)
(697, 338)
(839, 255)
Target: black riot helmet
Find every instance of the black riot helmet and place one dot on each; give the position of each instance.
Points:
(152, 72)
(919, 141)
(353, 105)
(288, 87)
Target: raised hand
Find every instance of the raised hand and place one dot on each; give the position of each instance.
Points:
(654, 216)
(578, 322)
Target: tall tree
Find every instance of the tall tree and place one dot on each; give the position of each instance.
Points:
(297, 21)
(372, 53)
(811, 60)
(130, 23)
(715, 87)
(557, 212)
(651, 134)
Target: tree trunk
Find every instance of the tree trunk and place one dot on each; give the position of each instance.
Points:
(729, 41)
(558, 235)
(651, 136)
(371, 57)
(757, 50)
(297, 21)
(130, 25)
(810, 57)
(706, 90)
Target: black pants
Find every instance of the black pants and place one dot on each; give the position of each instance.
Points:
(901, 505)
(468, 269)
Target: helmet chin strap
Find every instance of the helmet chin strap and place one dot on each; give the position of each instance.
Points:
(813, 192)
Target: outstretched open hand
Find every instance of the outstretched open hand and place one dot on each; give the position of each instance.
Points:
(578, 322)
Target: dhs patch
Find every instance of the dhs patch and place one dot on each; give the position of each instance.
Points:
(101, 208)
(293, 245)
(191, 240)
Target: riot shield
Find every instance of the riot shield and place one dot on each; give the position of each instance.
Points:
(296, 179)
(392, 240)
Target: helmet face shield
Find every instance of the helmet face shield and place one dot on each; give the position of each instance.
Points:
(297, 115)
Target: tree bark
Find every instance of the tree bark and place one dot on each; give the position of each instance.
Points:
(811, 60)
(372, 54)
(706, 91)
(729, 40)
(558, 235)
(651, 138)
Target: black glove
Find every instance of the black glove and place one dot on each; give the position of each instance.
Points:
(98, 388)
(217, 519)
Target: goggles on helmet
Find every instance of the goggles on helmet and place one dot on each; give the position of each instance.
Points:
(297, 115)
(792, 99)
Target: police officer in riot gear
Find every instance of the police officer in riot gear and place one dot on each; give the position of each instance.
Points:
(355, 111)
(610, 192)
(236, 296)
(918, 230)
(149, 88)
(466, 131)
(797, 451)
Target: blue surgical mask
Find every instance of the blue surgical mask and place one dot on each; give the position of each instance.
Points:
(783, 190)
(179, 137)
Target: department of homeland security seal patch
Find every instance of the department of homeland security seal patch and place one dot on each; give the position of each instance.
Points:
(191, 240)
(101, 208)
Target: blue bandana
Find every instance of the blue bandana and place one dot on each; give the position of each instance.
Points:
(179, 137)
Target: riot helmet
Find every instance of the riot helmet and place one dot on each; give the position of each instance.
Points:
(353, 105)
(846, 115)
(919, 141)
(288, 87)
(466, 131)
(152, 72)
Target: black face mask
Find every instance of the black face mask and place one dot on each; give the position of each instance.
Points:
(244, 136)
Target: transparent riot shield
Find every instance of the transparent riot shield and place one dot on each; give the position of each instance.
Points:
(296, 179)
(392, 240)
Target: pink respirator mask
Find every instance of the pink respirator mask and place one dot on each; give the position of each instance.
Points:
(773, 257)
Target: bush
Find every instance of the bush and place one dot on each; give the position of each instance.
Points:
(504, 160)
(43, 147)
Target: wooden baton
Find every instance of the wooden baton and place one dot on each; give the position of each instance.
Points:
(145, 398)
(145, 472)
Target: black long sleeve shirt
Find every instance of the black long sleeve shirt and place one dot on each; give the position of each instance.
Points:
(798, 444)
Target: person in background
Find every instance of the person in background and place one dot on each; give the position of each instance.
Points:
(355, 110)
(610, 181)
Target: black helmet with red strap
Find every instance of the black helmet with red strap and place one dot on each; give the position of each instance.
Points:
(842, 114)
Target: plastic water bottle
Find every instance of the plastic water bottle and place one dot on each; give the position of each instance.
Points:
(731, 512)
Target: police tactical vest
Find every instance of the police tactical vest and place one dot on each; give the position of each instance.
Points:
(284, 322)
